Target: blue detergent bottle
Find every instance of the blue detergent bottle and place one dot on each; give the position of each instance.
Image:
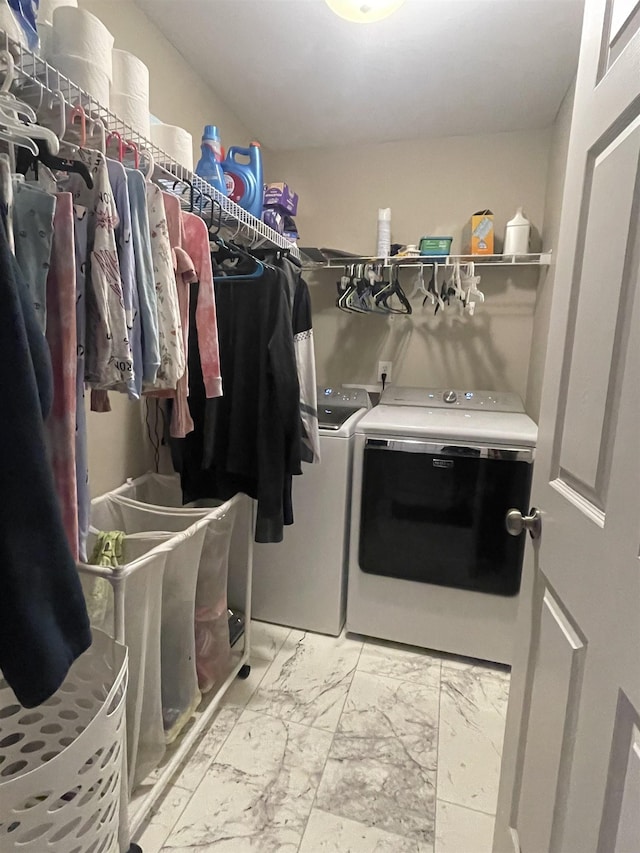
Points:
(209, 166)
(244, 179)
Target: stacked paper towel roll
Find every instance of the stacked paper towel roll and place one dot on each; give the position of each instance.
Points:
(45, 24)
(81, 49)
(130, 91)
(48, 7)
(175, 141)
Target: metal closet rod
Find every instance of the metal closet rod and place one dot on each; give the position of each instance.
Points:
(35, 77)
(539, 259)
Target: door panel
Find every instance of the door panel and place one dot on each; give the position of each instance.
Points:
(620, 829)
(552, 718)
(621, 27)
(602, 295)
(572, 780)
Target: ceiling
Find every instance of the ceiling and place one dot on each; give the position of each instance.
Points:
(298, 76)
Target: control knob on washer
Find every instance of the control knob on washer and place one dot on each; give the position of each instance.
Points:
(450, 396)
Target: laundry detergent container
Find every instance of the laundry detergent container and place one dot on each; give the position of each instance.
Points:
(172, 590)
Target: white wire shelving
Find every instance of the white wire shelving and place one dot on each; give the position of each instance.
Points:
(34, 77)
(540, 259)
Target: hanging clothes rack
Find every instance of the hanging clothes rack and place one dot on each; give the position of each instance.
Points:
(34, 77)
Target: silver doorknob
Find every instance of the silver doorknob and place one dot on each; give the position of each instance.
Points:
(516, 522)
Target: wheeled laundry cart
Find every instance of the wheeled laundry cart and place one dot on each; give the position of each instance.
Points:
(169, 604)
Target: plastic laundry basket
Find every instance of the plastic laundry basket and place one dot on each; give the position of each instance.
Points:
(61, 763)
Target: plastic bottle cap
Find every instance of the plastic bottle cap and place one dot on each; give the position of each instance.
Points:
(211, 131)
(257, 144)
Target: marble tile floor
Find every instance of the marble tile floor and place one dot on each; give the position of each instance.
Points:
(342, 745)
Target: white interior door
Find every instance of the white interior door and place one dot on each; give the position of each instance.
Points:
(572, 751)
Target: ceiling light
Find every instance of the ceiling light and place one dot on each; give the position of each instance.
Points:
(364, 11)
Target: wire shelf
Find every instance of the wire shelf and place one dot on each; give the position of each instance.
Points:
(35, 77)
(540, 259)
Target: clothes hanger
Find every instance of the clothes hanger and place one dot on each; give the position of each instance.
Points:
(419, 286)
(49, 156)
(51, 161)
(7, 98)
(394, 288)
(100, 125)
(78, 112)
(151, 163)
(210, 223)
(257, 273)
(10, 110)
(121, 145)
(131, 146)
(187, 183)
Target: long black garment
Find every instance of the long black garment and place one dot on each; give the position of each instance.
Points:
(43, 618)
(248, 440)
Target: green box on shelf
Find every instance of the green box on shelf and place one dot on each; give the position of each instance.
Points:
(434, 246)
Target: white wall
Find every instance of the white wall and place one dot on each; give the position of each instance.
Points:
(432, 186)
(550, 233)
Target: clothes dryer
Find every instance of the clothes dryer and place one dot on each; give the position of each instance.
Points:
(431, 563)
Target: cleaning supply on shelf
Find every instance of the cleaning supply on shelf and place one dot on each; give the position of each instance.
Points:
(517, 235)
(209, 166)
(244, 180)
(282, 197)
(384, 232)
(479, 234)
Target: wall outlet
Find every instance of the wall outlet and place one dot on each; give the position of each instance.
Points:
(385, 367)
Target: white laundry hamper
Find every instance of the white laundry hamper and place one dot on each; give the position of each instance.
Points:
(174, 575)
(61, 763)
(159, 495)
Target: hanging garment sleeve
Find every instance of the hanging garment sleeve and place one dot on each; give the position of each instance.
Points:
(172, 350)
(145, 277)
(80, 239)
(197, 245)
(62, 340)
(108, 357)
(127, 260)
(306, 365)
(33, 216)
(43, 618)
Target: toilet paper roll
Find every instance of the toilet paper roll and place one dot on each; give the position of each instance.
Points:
(47, 8)
(176, 141)
(45, 33)
(132, 111)
(85, 74)
(130, 76)
(79, 33)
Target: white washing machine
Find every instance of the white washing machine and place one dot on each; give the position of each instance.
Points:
(301, 581)
(431, 563)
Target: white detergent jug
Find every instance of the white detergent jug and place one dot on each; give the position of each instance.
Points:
(517, 235)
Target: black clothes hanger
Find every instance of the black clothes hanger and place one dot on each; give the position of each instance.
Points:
(187, 183)
(232, 250)
(214, 201)
(25, 160)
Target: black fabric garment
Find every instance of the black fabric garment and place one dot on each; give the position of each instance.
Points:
(44, 625)
(249, 439)
(301, 323)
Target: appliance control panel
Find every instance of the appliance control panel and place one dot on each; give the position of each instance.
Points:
(453, 398)
(337, 396)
